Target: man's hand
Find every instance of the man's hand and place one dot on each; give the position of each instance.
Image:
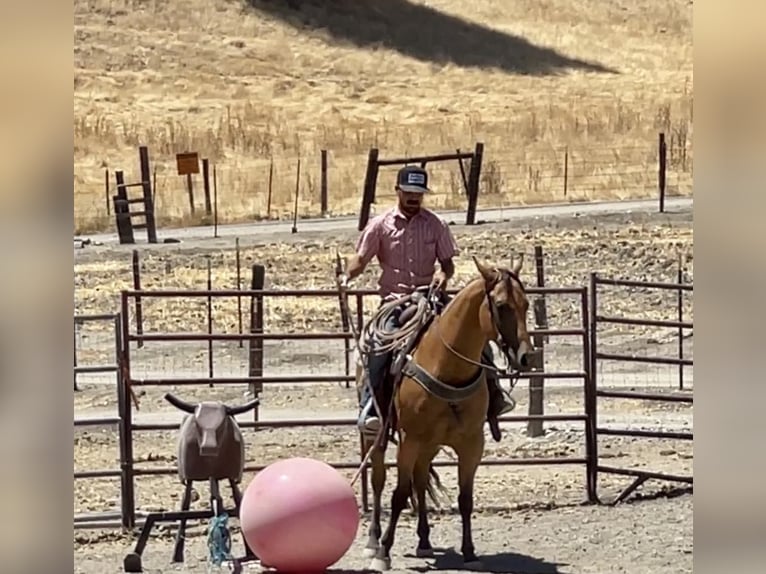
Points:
(439, 282)
(342, 279)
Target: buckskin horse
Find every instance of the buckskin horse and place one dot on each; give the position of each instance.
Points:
(440, 398)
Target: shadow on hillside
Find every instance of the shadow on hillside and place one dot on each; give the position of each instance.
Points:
(422, 32)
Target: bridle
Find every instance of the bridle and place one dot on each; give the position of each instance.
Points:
(506, 345)
(502, 341)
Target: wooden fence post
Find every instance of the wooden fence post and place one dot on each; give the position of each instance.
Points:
(206, 186)
(368, 192)
(297, 193)
(323, 199)
(255, 346)
(663, 157)
(146, 185)
(122, 210)
(107, 193)
(139, 305)
(271, 187)
(680, 318)
(190, 191)
(536, 384)
(474, 175)
(209, 319)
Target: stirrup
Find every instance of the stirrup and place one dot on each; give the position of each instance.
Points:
(369, 424)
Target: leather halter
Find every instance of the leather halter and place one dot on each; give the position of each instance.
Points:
(507, 346)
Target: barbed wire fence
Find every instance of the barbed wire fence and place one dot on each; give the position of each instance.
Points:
(328, 185)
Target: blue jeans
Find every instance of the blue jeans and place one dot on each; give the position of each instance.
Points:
(378, 363)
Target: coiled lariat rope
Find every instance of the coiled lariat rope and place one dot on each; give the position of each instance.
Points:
(394, 339)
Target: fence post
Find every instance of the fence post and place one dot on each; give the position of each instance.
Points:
(271, 182)
(210, 320)
(106, 192)
(122, 211)
(323, 199)
(190, 191)
(663, 156)
(591, 386)
(297, 193)
(255, 346)
(146, 185)
(239, 288)
(473, 183)
(74, 348)
(536, 384)
(368, 191)
(206, 186)
(128, 497)
(139, 306)
(680, 320)
(215, 201)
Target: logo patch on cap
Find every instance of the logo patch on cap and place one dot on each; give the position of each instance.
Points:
(416, 178)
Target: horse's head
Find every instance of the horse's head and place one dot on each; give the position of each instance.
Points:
(504, 311)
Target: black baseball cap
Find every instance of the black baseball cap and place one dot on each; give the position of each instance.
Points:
(412, 179)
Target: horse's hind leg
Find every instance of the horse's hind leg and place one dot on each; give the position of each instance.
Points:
(469, 457)
(406, 456)
(377, 462)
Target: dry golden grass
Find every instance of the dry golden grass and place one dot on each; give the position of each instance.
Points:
(241, 83)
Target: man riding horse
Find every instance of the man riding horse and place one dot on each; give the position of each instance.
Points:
(407, 240)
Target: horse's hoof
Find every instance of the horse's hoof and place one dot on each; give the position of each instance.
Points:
(474, 564)
(132, 563)
(380, 564)
(424, 552)
(369, 552)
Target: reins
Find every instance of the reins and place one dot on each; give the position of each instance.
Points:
(503, 344)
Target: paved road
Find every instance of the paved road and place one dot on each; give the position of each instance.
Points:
(455, 217)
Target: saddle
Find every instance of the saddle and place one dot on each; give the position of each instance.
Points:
(417, 312)
(433, 306)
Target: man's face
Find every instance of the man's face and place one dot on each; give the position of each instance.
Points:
(409, 203)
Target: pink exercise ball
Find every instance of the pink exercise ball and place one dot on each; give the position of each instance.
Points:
(299, 515)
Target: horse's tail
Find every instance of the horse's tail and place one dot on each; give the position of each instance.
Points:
(435, 488)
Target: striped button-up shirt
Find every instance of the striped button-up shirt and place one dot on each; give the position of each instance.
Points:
(407, 250)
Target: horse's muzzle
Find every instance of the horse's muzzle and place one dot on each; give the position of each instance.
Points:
(524, 356)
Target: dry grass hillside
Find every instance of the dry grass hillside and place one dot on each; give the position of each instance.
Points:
(245, 82)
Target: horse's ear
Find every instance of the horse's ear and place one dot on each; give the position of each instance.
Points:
(487, 273)
(516, 263)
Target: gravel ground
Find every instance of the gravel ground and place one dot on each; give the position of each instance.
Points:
(640, 537)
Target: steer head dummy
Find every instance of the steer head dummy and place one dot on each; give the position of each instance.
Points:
(210, 442)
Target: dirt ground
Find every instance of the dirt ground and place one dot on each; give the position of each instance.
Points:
(529, 518)
(643, 537)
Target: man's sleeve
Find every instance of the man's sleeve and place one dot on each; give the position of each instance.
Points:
(368, 244)
(446, 246)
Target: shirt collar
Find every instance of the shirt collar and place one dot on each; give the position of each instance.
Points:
(397, 213)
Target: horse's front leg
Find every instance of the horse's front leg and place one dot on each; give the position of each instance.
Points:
(407, 455)
(377, 462)
(469, 457)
